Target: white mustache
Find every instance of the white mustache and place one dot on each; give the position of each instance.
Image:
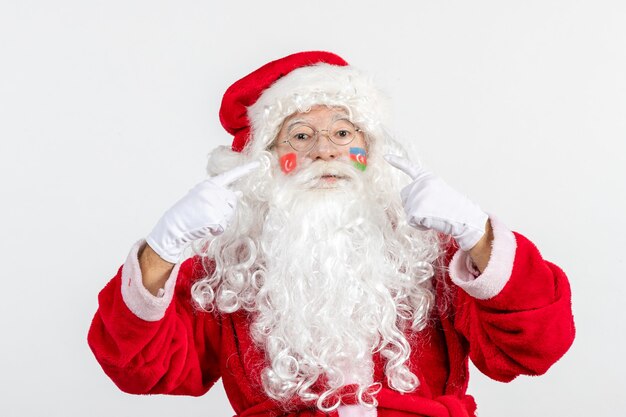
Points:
(318, 169)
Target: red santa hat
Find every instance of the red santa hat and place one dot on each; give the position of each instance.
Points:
(254, 107)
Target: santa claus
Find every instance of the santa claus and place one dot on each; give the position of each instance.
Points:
(330, 274)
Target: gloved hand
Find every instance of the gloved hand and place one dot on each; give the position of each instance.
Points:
(430, 203)
(207, 208)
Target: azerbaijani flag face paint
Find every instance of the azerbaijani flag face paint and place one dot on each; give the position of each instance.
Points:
(288, 162)
(359, 158)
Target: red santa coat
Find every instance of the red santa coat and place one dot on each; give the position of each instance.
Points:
(515, 318)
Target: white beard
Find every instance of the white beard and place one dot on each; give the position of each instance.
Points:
(331, 273)
(324, 300)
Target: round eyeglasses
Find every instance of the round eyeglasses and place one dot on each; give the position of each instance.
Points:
(303, 137)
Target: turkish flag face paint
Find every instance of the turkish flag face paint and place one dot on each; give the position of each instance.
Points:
(288, 162)
(359, 158)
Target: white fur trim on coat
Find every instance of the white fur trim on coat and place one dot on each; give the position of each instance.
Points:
(498, 270)
(356, 410)
(137, 298)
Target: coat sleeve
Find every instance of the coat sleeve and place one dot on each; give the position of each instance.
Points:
(517, 314)
(151, 345)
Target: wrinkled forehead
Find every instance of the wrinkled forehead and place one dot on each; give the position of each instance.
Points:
(318, 114)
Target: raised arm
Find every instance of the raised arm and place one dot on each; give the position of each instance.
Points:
(147, 334)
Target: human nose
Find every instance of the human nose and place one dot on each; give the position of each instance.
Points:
(324, 148)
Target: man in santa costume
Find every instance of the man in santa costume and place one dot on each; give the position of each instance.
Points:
(330, 274)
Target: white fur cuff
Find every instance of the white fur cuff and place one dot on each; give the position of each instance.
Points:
(498, 271)
(137, 298)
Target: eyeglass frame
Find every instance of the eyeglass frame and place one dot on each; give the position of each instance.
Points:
(317, 132)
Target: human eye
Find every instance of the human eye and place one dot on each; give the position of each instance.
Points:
(342, 129)
(302, 133)
(343, 133)
(301, 136)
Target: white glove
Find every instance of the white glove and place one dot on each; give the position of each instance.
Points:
(430, 203)
(206, 208)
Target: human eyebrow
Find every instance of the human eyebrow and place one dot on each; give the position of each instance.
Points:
(340, 116)
(296, 122)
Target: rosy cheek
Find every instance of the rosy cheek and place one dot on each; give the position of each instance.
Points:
(287, 162)
(359, 158)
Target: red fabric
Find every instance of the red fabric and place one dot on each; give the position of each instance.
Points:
(246, 91)
(523, 330)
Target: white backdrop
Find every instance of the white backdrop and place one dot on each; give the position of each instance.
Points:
(108, 110)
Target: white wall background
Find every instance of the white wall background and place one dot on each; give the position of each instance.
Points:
(108, 109)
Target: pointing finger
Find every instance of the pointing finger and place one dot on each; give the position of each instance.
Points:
(228, 177)
(403, 165)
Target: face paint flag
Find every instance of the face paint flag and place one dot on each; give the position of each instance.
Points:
(288, 162)
(359, 158)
